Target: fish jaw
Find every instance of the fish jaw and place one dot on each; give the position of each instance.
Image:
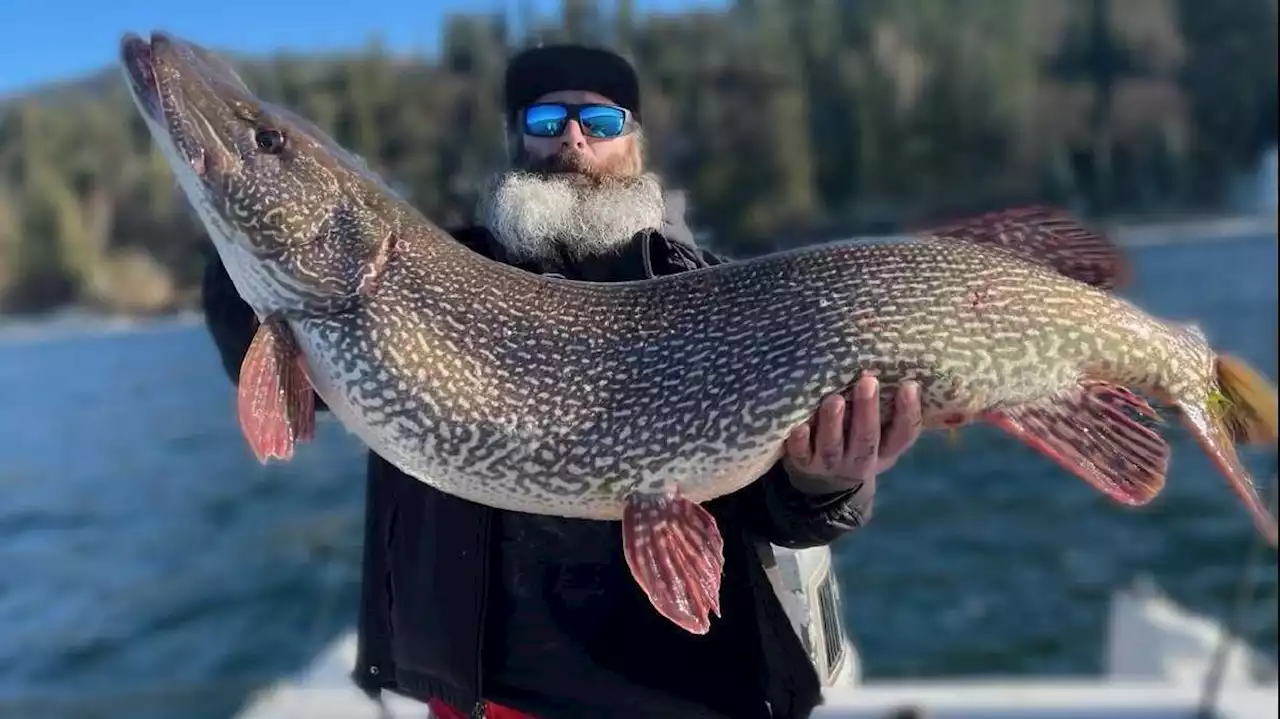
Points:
(194, 171)
(153, 73)
(290, 218)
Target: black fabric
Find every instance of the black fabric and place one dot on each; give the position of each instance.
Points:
(553, 68)
(460, 601)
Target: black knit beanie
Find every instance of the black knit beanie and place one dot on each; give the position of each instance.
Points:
(553, 68)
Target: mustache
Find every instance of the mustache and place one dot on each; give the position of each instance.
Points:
(565, 160)
(569, 163)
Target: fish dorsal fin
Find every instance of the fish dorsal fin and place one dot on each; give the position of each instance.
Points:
(1046, 235)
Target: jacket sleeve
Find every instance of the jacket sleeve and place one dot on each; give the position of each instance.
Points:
(774, 509)
(229, 319)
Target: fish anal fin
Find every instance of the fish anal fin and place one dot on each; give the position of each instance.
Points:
(1049, 236)
(1093, 433)
(676, 554)
(275, 400)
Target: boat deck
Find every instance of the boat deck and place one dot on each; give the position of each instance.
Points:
(986, 699)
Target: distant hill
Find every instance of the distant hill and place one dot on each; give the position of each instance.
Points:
(781, 121)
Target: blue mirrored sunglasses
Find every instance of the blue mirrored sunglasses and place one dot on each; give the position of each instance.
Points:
(548, 119)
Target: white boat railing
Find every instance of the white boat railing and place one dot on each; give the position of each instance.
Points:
(1157, 655)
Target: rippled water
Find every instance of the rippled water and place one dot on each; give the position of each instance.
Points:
(150, 567)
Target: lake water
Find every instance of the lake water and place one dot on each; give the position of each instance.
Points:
(149, 567)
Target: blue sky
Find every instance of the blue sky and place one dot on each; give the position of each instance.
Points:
(51, 40)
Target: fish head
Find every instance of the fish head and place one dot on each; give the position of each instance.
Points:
(297, 220)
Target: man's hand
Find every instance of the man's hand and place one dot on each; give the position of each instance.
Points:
(842, 446)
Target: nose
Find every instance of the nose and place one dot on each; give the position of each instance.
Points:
(572, 136)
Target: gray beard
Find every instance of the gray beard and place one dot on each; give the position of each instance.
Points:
(536, 216)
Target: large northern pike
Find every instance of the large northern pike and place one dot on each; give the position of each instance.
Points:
(638, 401)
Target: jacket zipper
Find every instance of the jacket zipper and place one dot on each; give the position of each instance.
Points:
(486, 532)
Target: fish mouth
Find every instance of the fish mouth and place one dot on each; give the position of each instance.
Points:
(140, 69)
(176, 97)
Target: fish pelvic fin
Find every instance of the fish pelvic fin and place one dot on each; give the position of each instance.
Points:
(1048, 236)
(1094, 432)
(275, 400)
(1241, 410)
(676, 554)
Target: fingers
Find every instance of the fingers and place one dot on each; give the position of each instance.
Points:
(829, 439)
(845, 438)
(905, 427)
(799, 447)
(817, 446)
(862, 445)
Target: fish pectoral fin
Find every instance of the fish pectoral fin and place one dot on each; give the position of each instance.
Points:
(1092, 433)
(1048, 236)
(275, 401)
(676, 555)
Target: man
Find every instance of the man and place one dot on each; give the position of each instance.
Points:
(473, 609)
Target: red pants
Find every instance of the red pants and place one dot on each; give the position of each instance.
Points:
(440, 710)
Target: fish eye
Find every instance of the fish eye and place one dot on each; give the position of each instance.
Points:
(270, 141)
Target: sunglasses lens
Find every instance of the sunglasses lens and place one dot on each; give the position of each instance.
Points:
(602, 121)
(544, 120)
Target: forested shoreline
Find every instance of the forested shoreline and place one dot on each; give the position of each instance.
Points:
(785, 121)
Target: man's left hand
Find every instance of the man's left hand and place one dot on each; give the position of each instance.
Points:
(843, 447)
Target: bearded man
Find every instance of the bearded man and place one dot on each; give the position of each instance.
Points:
(491, 613)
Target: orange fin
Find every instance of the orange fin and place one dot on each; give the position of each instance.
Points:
(1049, 236)
(275, 401)
(1092, 433)
(676, 554)
(1249, 414)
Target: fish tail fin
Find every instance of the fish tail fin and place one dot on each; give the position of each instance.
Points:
(1248, 402)
(1241, 409)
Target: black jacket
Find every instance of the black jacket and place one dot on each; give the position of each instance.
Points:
(439, 611)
